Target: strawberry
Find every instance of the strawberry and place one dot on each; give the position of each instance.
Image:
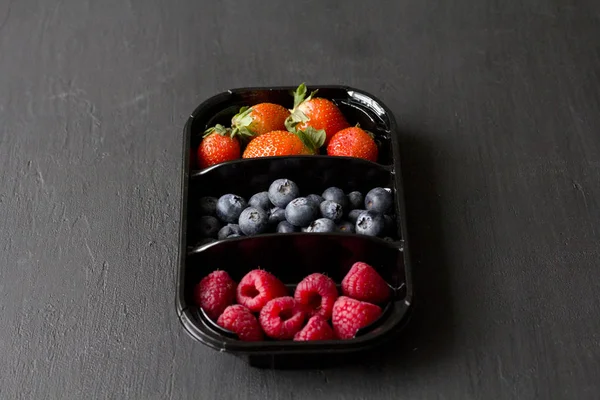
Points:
(218, 145)
(315, 112)
(353, 142)
(284, 143)
(259, 119)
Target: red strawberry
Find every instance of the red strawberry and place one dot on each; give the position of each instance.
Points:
(260, 119)
(214, 293)
(219, 145)
(284, 143)
(316, 328)
(363, 283)
(282, 318)
(239, 320)
(257, 287)
(317, 293)
(315, 112)
(353, 142)
(350, 315)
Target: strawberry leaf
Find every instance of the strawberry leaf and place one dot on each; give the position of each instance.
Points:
(242, 118)
(296, 117)
(219, 129)
(241, 124)
(300, 95)
(312, 138)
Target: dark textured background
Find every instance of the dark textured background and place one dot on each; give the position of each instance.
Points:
(499, 109)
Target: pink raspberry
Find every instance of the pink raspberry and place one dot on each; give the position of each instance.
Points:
(282, 318)
(350, 315)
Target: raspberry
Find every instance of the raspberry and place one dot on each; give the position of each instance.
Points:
(257, 288)
(350, 315)
(239, 320)
(282, 318)
(317, 293)
(363, 283)
(214, 293)
(316, 329)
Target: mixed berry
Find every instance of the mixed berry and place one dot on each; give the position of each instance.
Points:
(283, 209)
(260, 306)
(314, 125)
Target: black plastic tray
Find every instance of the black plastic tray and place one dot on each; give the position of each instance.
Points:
(293, 256)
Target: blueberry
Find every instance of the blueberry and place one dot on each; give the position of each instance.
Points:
(353, 215)
(337, 195)
(322, 225)
(282, 191)
(356, 200)
(208, 205)
(208, 226)
(276, 215)
(286, 227)
(260, 200)
(379, 200)
(370, 223)
(228, 231)
(301, 212)
(332, 210)
(346, 226)
(229, 208)
(253, 221)
(315, 198)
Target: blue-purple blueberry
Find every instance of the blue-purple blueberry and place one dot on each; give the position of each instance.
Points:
(260, 200)
(253, 221)
(379, 200)
(208, 226)
(276, 215)
(282, 191)
(353, 215)
(229, 208)
(316, 199)
(331, 210)
(370, 223)
(336, 194)
(301, 212)
(355, 200)
(286, 227)
(322, 225)
(229, 231)
(207, 205)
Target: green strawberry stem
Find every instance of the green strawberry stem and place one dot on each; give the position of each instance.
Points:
(219, 129)
(312, 138)
(241, 124)
(296, 116)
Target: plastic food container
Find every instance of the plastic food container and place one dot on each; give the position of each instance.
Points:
(292, 256)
